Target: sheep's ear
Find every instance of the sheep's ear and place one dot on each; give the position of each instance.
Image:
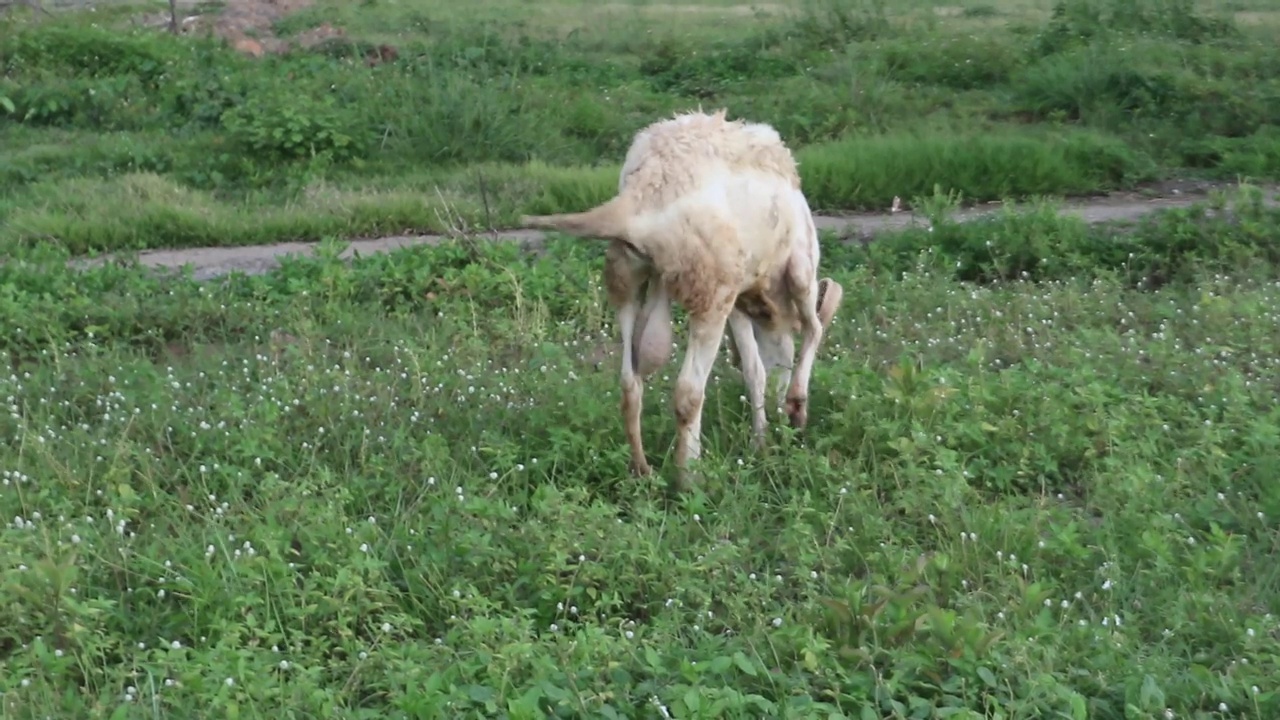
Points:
(830, 293)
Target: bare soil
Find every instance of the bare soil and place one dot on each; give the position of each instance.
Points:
(213, 262)
(248, 26)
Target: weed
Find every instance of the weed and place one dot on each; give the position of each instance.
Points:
(400, 486)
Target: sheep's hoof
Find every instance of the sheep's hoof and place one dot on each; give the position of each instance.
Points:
(798, 412)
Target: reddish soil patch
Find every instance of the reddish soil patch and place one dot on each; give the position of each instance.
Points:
(249, 26)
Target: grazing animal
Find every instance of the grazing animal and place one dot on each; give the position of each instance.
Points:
(709, 213)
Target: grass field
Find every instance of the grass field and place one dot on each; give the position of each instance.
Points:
(1039, 479)
(115, 137)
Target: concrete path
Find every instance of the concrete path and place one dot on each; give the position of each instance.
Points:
(213, 262)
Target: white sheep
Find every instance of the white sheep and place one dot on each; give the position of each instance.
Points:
(709, 213)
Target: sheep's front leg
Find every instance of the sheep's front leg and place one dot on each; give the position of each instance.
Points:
(705, 333)
(778, 351)
(816, 303)
(742, 331)
(735, 357)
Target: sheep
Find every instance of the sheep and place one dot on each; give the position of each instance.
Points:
(709, 213)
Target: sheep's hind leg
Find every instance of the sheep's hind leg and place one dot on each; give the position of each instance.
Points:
(632, 389)
(705, 333)
(742, 333)
(624, 278)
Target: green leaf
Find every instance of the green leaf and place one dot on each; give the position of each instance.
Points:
(693, 699)
(480, 693)
(1151, 696)
(1079, 711)
(744, 663)
(8, 105)
(987, 677)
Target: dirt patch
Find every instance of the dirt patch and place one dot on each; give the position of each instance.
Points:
(248, 26)
(1258, 17)
(211, 263)
(665, 9)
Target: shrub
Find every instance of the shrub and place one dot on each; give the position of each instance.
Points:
(963, 62)
(276, 127)
(705, 71)
(1076, 23)
(834, 24)
(1098, 83)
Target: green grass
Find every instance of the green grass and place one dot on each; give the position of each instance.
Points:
(1039, 476)
(1039, 481)
(509, 108)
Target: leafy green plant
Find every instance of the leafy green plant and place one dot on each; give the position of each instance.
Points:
(1079, 22)
(294, 129)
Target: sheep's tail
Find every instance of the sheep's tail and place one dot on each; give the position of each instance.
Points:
(610, 221)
